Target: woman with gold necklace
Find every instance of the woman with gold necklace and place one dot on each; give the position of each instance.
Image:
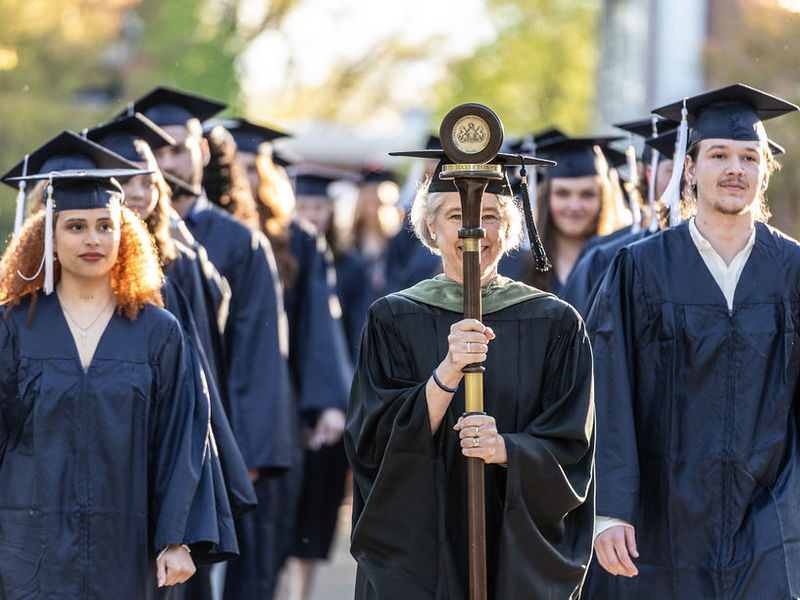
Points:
(99, 453)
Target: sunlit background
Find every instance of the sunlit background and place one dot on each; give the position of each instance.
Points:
(354, 79)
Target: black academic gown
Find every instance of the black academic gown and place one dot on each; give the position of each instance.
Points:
(698, 413)
(259, 401)
(583, 283)
(409, 498)
(100, 467)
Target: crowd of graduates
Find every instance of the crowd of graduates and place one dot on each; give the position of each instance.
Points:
(183, 316)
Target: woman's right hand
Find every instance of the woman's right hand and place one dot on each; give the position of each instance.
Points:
(468, 343)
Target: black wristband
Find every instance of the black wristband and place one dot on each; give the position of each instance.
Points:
(443, 386)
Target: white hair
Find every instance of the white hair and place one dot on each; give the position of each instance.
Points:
(426, 204)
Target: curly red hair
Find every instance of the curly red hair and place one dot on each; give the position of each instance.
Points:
(136, 276)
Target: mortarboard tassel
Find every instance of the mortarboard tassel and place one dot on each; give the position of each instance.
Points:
(652, 227)
(636, 211)
(18, 217)
(671, 198)
(651, 193)
(48, 240)
(533, 189)
(537, 249)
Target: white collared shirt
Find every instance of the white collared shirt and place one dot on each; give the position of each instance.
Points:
(727, 278)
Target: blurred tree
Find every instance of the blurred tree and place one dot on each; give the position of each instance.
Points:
(755, 42)
(540, 71)
(58, 78)
(69, 64)
(195, 45)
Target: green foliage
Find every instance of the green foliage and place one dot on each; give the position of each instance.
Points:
(540, 71)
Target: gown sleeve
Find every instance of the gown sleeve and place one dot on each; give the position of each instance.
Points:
(240, 492)
(179, 452)
(391, 451)
(546, 537)
(224, 483)
(611, 327)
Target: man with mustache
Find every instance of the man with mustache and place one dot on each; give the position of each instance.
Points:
(696, 342)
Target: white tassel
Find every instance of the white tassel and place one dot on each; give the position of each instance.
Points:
(48, 241)
(633, 192)
(18, 217)
(671, 198)
(651, 193)
(20, 214)
(652, 227)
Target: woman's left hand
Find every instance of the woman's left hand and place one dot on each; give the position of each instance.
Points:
(479, 439)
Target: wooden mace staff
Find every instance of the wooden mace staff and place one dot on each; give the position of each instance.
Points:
(471, 136)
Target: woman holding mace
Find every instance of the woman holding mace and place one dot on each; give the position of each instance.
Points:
(406, 438)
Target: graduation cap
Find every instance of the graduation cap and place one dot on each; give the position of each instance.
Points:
(313, 180)
(734, 112)
(65, 151)
(81, 175)
(248, 135)
(648, 127)
(575, 155)
(377, 175)
(120, 136)
(166, 106)
(495, 186)
(664, 143)
(433, 142)
(530, 143)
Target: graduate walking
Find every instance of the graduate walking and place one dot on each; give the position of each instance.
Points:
(695, 337)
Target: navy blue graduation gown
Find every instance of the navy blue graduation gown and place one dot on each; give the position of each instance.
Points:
(99, 467)
(598, 240)
(409, 485)
(698, 413)
(583, 283)
(239, 496)
(518, 265)
(319, 360)
(321, 372)
(208, 297)
(355, 296)
(257, 385)
(184, 298)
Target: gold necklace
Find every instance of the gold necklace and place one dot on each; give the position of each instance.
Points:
(84, 331)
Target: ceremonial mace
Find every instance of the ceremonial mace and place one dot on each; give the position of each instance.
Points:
(471, 136)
